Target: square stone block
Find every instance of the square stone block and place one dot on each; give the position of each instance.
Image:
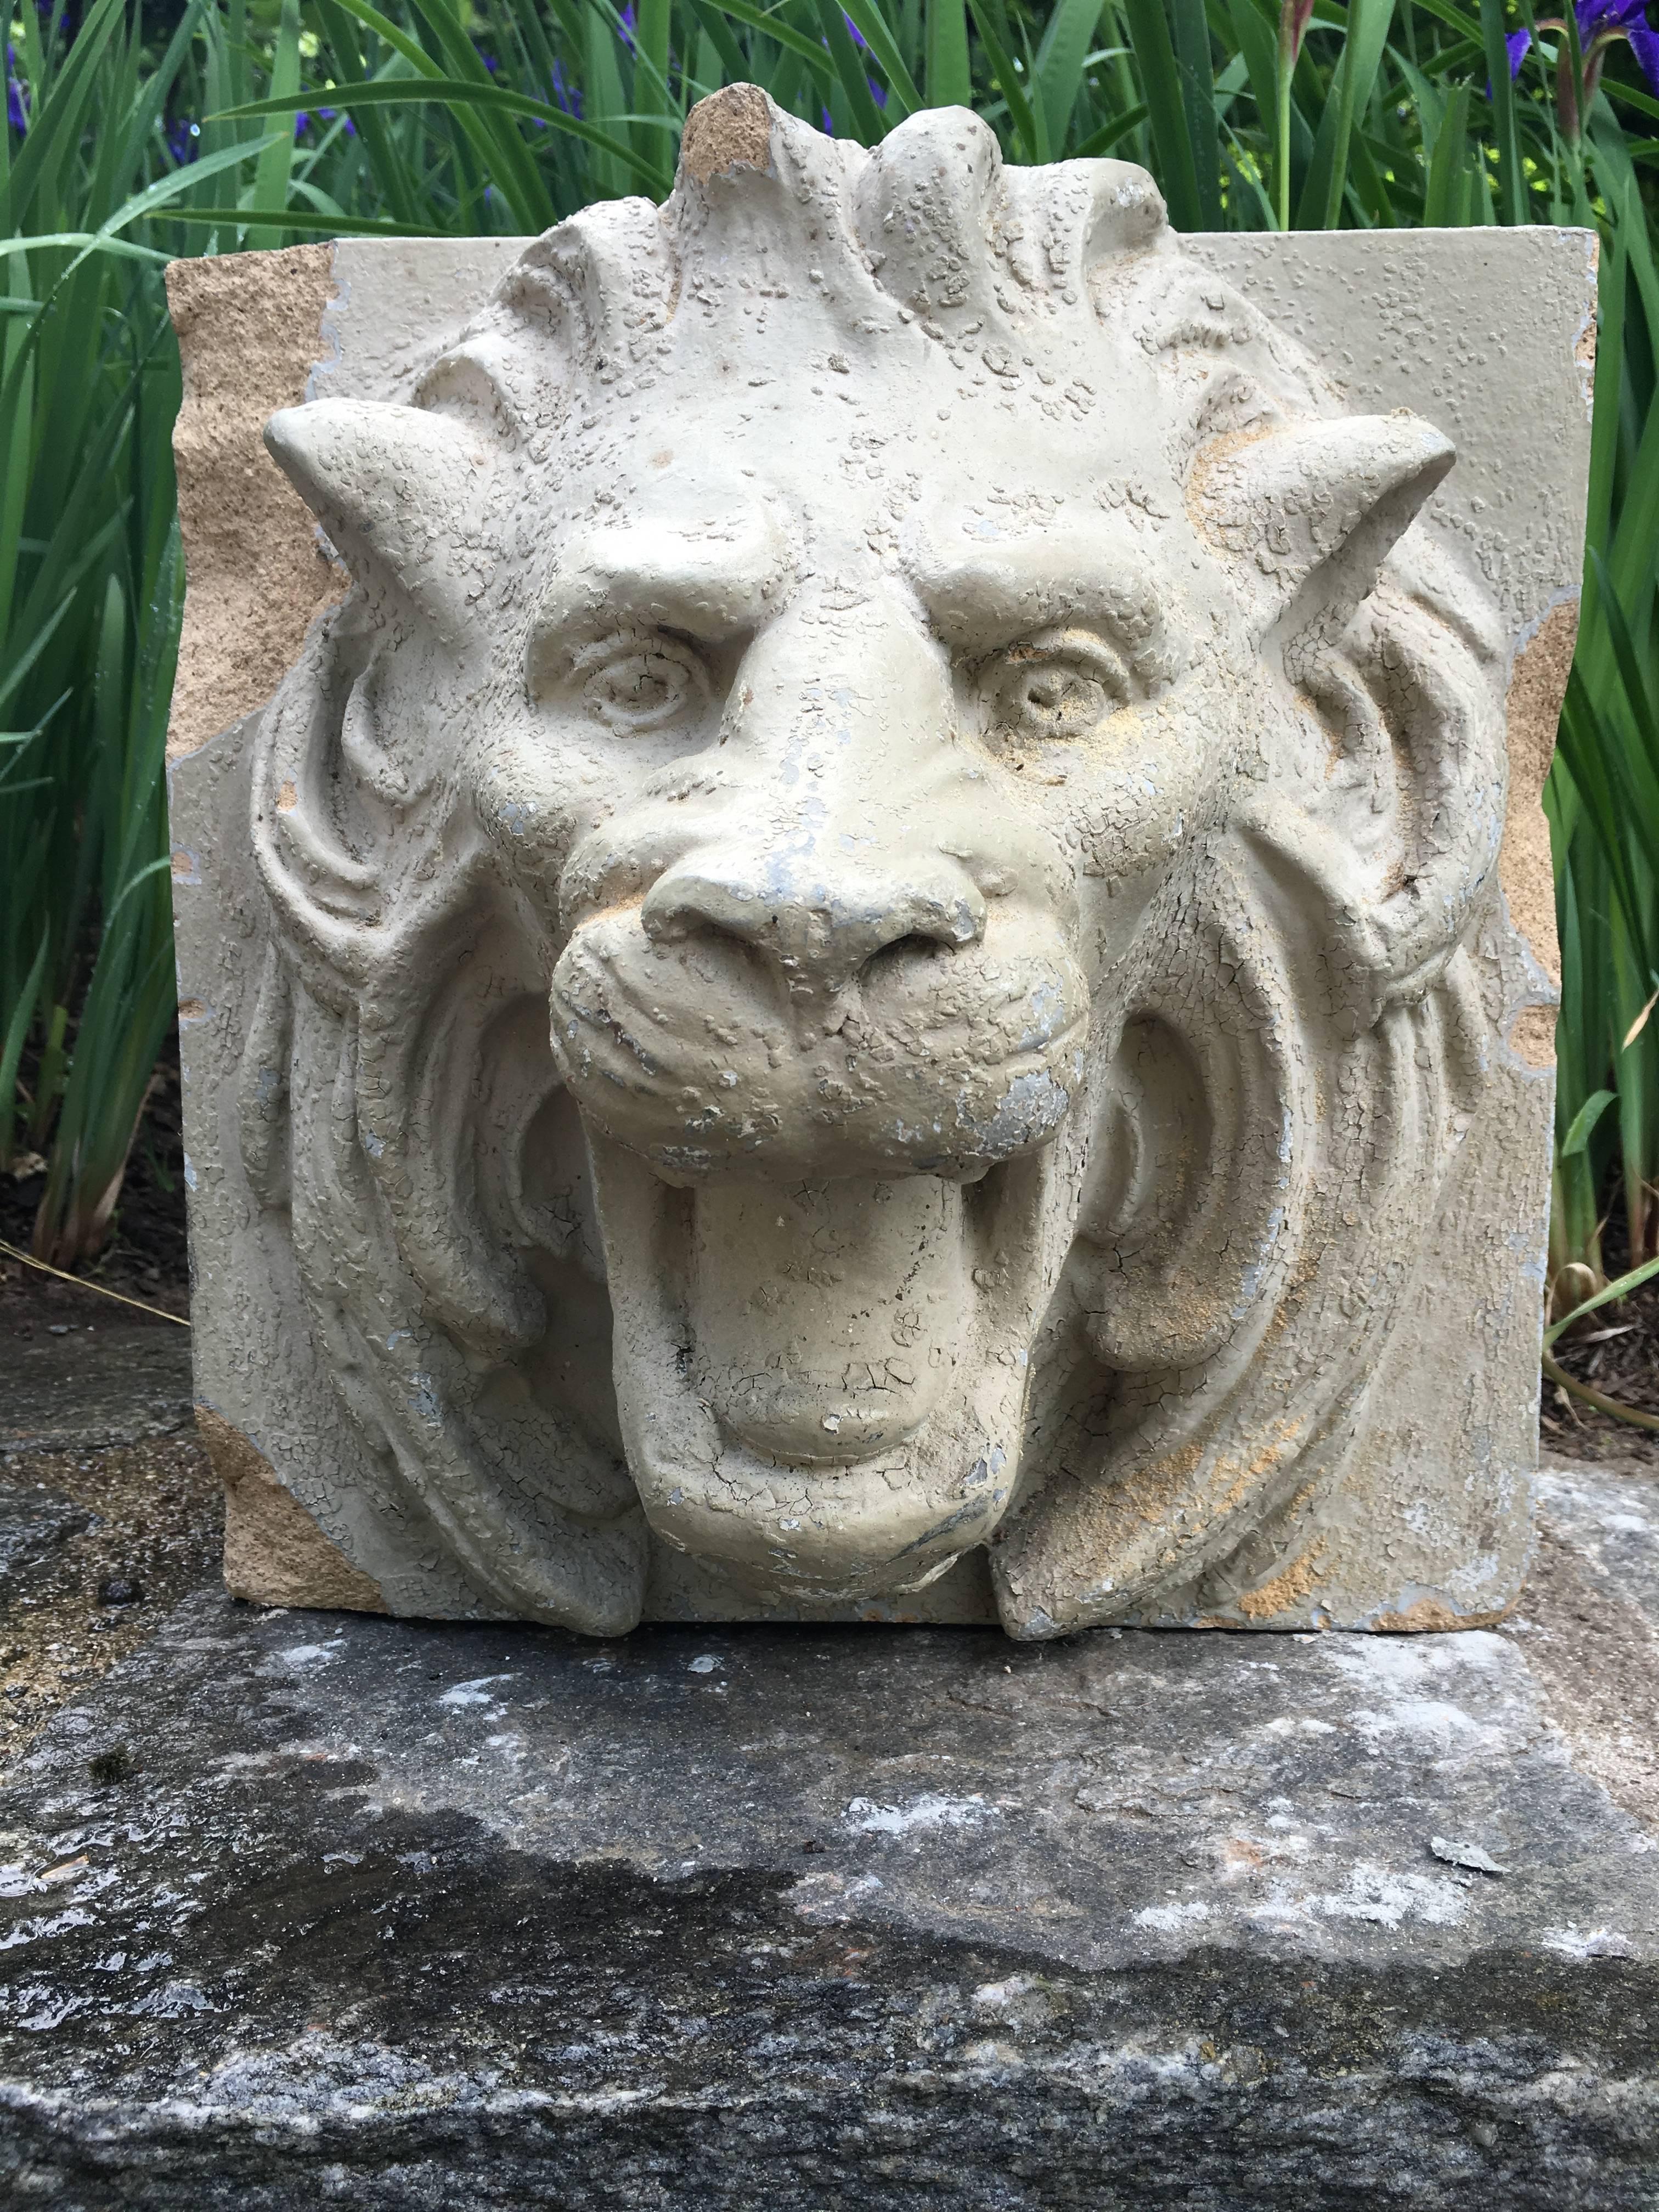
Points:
(864, 928)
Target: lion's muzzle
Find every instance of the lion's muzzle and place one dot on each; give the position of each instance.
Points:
(927, 1060)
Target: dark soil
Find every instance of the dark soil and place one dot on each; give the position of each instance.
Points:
(146, 1257)
(154, 1532)
(155, 1523)
(1616, 1352)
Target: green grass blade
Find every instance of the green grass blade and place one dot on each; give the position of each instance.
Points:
(1511, 183)
(811, 51)
(11, 1053)
(902, 97)
(1620, 1288)
(947, 71)
(867, 117)
(1155, 57)
(1006, 77)
(456, 92)
(1369, 25)
(1191, 42)
(1066, 40)
(391, 174)
(276, 164)
(1583, 1121)
(718, 33)
(1109, 135)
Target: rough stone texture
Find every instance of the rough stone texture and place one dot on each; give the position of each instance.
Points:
(275, 1553)
(1590, 1626)
(752, 1919)
(35, 1523)
(1537, 686)
(256, 574)
(985, 722)
(115, 1538)
(87, 1388)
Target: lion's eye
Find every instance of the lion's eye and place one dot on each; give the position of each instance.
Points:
(642, 683)
(1051, 689)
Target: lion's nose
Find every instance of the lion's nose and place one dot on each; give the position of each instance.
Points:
(820, 928)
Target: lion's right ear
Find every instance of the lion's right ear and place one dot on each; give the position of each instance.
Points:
(393, 487)
(1307, 515)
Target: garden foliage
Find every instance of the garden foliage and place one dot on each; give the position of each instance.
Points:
(236, 126)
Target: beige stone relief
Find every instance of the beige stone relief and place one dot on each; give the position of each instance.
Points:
(873, 978)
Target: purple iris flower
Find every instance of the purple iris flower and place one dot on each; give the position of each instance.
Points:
(182, 142)
(17, 97)
(858, 35)
(566, 94)
(625, 22)
(1601, 23)
(301, 124)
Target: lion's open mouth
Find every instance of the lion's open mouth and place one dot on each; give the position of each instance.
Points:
(829, 1317)
(822, 1384)
(830, 1234)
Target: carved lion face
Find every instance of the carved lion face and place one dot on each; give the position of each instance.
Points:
(871, 686)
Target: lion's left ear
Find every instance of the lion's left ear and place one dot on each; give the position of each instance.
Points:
(1306, 516)
(1389, 821)
(392, 487)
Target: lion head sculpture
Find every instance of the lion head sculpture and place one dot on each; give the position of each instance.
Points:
(869, 896)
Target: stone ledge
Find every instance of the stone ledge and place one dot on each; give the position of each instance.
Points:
(86, 1389)
(399, 1916)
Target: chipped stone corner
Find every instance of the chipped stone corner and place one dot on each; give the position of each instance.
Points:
(1429, 1615)
(275, 1553)
(1537, 686)
(731, 131)
(1290, 1600)
(1306, 1596)
(250, 328)
(1584, 345)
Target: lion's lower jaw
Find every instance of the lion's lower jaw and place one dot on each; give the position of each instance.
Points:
(822, 1387)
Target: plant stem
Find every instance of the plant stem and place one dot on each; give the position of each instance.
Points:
(1602, 1404)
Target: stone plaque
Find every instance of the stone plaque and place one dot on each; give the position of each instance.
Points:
(863, 929)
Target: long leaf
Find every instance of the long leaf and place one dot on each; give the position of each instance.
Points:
(277, 162)
(1154, 50)
(948, 72)
(1191, 42)
(455, 92)
(1066, 40)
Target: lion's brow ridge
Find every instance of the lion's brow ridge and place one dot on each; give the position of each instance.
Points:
(991, 593)
(712, 577)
